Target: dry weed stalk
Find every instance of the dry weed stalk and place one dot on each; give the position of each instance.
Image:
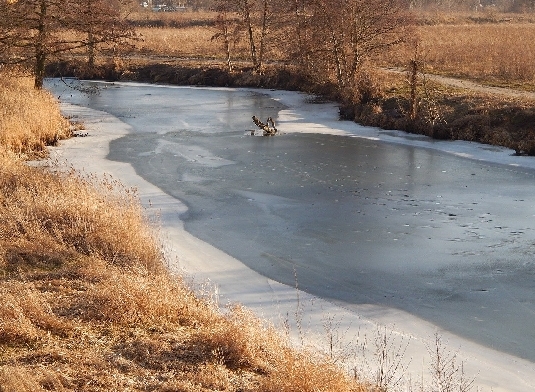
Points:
(447, 373)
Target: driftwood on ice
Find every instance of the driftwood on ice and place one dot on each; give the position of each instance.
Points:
(268, 127)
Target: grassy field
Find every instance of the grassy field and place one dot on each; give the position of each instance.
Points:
(498, 54)
(87, 304)
(493, 48)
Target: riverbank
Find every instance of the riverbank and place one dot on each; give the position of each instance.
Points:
(445, 111)
(307, 315)
(87, 301)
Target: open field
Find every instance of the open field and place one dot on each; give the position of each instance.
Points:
(87, 304)
(494, 54)
(501, 53)
(491, 48)
(188, 43)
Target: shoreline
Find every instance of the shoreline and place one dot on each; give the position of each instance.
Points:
(217, 273)
(494, 116)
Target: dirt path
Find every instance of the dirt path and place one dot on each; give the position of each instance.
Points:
(466, 84)
(476, 87)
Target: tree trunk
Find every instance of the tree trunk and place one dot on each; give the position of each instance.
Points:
(90, 53)
(246, 12)
(263, 34)
(301, 32)
(413, 81)
(40, 47)
(90, 37)
(227, 46)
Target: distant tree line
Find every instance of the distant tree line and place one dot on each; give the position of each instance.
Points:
(447, 5)
(475, 5)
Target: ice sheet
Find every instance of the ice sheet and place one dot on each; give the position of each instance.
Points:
(447, 215)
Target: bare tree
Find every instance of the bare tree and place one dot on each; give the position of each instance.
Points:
(27, 31)
(246, 10)
(227, 29)
(101, 22)
(301, 24)
(32, 31)
(255, 20)
(345, 34)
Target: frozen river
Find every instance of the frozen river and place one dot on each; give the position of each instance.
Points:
(379, 219)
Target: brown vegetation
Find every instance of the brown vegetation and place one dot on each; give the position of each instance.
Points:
(86, 303)
(24, 128)
(33, 31)
(491, 53)
(488, 47)
(88, 306)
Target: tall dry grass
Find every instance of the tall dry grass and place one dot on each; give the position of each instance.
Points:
(485, 51)
(194, 42)
(78, 213)
(147, 18)
(498, 52)
(87, 305)
(29, 119)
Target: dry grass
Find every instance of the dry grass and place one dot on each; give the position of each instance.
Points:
(498, 52)
(192, 42)
(87, 305)
(29, 119)
(176, 34)
(491, 52)
(490, 47)
(146, 18)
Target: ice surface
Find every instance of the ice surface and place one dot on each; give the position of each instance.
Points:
(395, 229)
